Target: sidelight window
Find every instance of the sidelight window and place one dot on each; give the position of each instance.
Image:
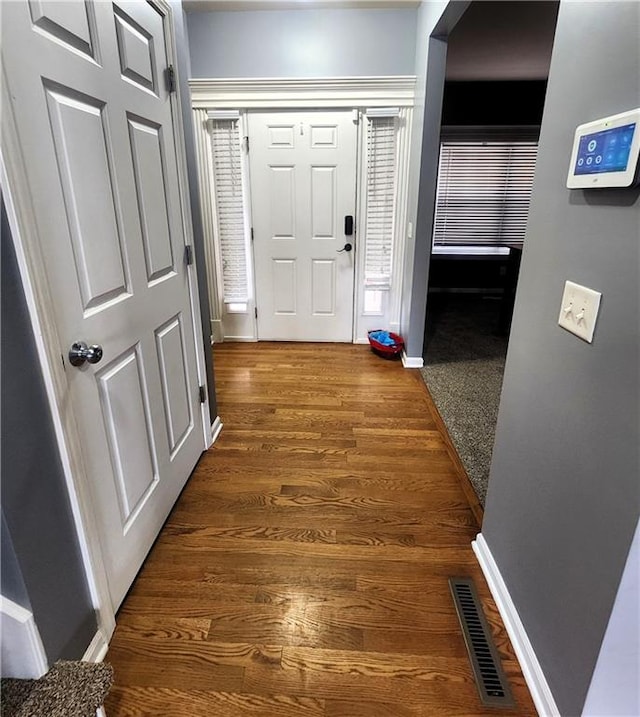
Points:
(226, 150)
(381, 178)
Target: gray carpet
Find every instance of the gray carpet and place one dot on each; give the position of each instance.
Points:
(464, 364)
(69, 689)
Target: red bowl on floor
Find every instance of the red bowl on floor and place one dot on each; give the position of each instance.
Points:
(391, 351)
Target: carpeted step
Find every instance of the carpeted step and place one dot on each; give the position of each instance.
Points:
(69, 689)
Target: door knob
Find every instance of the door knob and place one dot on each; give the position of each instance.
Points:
(346, 247)
(80, 352)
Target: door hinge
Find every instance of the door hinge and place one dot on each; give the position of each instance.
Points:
(188, 254)
(251, 233)
(202, 393)
(246, 143)
(170, 74)
(256, 312)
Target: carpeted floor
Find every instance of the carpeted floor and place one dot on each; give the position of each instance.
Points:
(69, 689)
(464, 364)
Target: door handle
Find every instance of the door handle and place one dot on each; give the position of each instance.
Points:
(80, 352)
(348, 225)
(346, 247)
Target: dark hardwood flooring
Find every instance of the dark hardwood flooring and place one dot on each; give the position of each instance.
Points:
(303, 571)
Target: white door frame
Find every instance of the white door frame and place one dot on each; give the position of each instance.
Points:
(298, 94)
(20, 213)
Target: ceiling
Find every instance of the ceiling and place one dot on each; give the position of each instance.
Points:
(502, 41)
(208, 5)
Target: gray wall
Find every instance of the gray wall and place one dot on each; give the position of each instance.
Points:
(564, 496)
(11, 581)
(184, 72)
(302, 43)
(35, 504)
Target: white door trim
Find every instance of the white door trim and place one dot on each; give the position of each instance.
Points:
(299, 94)
(187, 221)
(25, 235)
(207, 209)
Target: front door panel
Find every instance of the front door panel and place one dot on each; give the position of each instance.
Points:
(303, 181)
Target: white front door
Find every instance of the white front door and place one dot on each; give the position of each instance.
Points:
(303, 185)
(94, 119)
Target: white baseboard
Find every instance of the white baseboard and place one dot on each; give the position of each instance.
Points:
(22, 653)
(412, 361)
(216, 427)
(531, 669)
(97, 649)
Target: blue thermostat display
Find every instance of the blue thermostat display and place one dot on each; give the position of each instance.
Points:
(606, 151)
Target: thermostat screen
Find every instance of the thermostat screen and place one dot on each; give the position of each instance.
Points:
(605, 151)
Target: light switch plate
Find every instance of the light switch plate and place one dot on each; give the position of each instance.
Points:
(579, 310)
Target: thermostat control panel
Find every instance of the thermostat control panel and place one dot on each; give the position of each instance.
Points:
(605, 152)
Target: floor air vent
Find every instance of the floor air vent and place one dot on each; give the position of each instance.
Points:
(492, 683)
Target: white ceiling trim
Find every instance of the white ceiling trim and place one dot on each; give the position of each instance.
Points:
(251, 93)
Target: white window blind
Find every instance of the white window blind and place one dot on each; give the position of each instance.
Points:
(227, 175)
(381, 191)
(484, 191)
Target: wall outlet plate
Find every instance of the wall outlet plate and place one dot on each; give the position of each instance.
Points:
(579, 310)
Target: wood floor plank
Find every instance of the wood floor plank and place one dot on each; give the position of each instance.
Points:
(351, 708)
(178, 670)
(201, 592)
(414, 642)
(362, 607)
(304, 570)
(152, 702)
(455, 685)
(372, 664)
(205, 533)
(146, 627)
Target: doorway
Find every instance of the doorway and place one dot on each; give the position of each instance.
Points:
(496, 69)
(284, 159)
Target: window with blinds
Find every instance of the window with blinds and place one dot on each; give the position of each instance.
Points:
(380, 193)
(484, 191)
(226, 151)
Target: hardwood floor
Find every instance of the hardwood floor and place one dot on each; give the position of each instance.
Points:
(303, 571)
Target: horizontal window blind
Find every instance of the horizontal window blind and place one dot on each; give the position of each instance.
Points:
(381, 190)
(484, 192)
(227, 175)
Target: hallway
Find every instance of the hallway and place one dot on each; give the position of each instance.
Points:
(303, 571)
